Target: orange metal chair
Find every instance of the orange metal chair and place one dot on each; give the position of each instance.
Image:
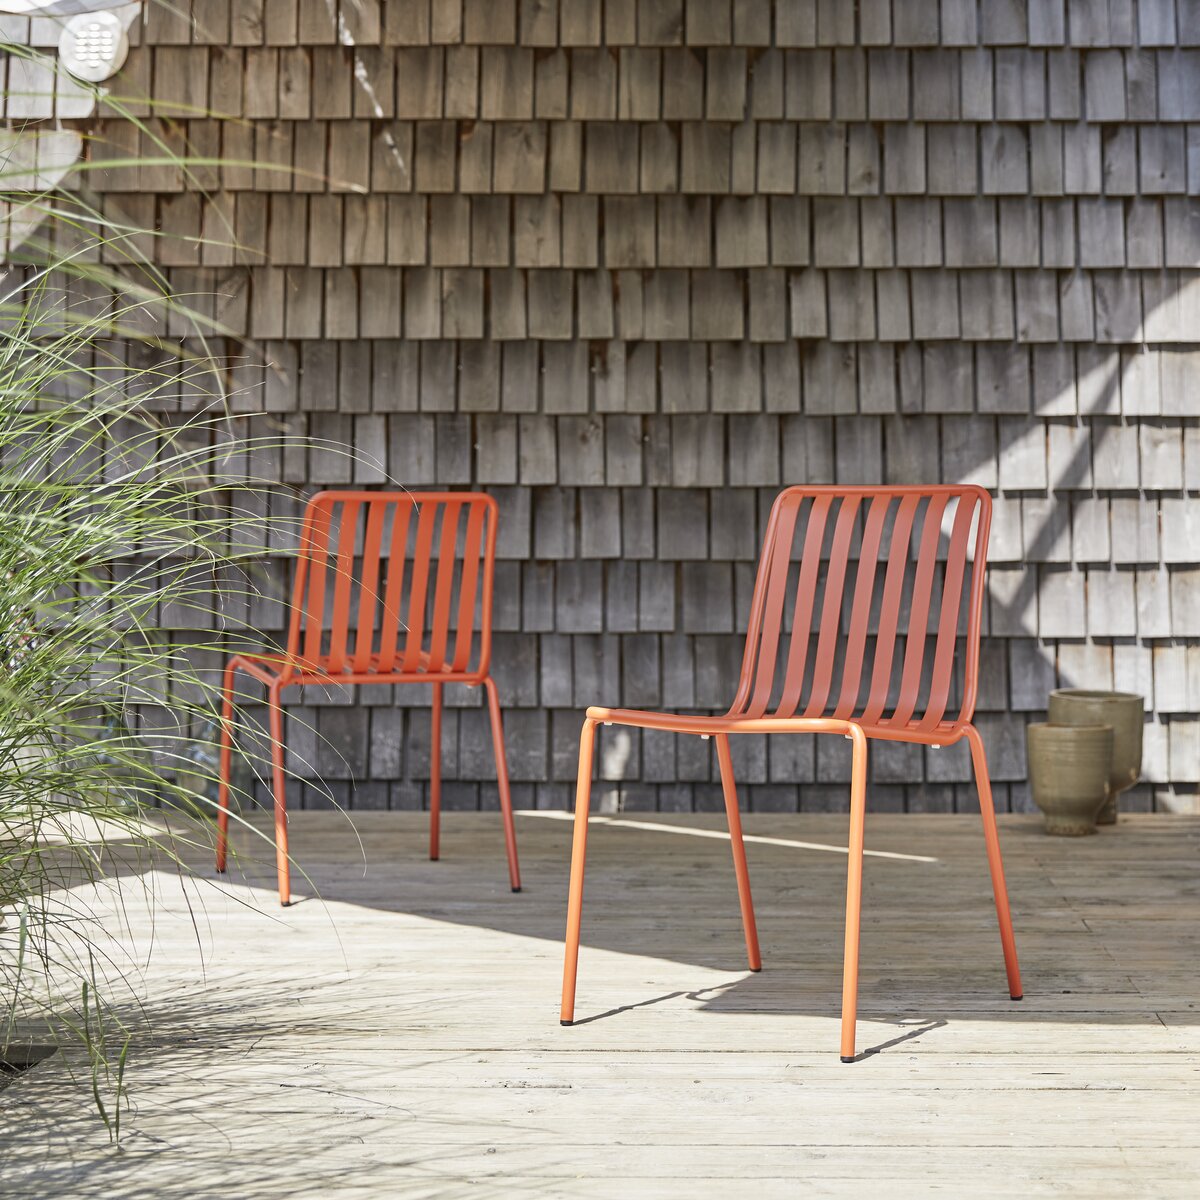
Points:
(856, 658)
(368, 574)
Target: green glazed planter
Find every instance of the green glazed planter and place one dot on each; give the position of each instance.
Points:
(1125, 712)
(1068, 774)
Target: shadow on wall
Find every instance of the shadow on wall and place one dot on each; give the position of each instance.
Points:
(1019, 608)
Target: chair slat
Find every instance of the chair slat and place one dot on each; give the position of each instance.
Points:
(389, 631)
(414, 642)
(860, 613)
(339, 619)
(443, 587)
(806, 587)
(300, 586)
(893, 592)
(368, 600)
(831, 607)
(922, 593)
(780, 558)
(947, 635)
(468, 589)
(314, 606)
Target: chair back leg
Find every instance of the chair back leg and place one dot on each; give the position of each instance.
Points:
(278, 782)
(995, 863)
(740, 869)
(506, 814)
(225, 769)
(583, 800)
(435, 775)
(854, 869)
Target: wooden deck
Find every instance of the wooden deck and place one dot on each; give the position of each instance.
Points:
(400, 1036)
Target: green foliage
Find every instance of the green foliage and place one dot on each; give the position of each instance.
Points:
(130, 526)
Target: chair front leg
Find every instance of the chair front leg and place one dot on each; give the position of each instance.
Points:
(506, 814)
(854, 869)
(995, 862)
(583, 798)
(740, 869)
(279, 780)
(435, 775)
(225, 769)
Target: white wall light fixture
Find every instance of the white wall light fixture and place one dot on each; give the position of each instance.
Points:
(94, 46)
(94, 41)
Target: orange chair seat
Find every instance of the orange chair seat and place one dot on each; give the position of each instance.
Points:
(943, 733)
(324, 670)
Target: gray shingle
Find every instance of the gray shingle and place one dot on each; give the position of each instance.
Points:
(705, 158)
(1020, 85)
(581, 450)
(776, 158)
(1046, 160)
(851, 306)
(1118, 307)
(1101, 233)
(935, 305)
(986, 300)
(554, 523)
(639, 81)
(952, 160)
(1081, 159)
(1104, 85)
(918, 232)
(888, 85)
(822, 164)
(682, 524)
(1119, 161)
(736, 377)
(1004, 154)
(904, 159)
(977, 85)
(725, 84)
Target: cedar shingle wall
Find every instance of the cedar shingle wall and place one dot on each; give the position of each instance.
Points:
(632, 266)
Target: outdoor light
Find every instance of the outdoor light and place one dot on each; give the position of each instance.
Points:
(94, 42)
(93, 46)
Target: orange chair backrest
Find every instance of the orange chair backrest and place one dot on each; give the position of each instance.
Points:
(395, 584)
(866, 600)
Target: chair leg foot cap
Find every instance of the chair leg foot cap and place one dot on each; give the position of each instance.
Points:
(1020, 997)
(285, 904)
(755, 970)
(847, 1060)
(565, 1023)
(433, 858)
(516, 889)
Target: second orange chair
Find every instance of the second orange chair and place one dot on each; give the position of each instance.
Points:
(391, 587)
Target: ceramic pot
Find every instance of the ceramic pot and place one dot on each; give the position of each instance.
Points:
(1068, 774)
(1125, 712)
